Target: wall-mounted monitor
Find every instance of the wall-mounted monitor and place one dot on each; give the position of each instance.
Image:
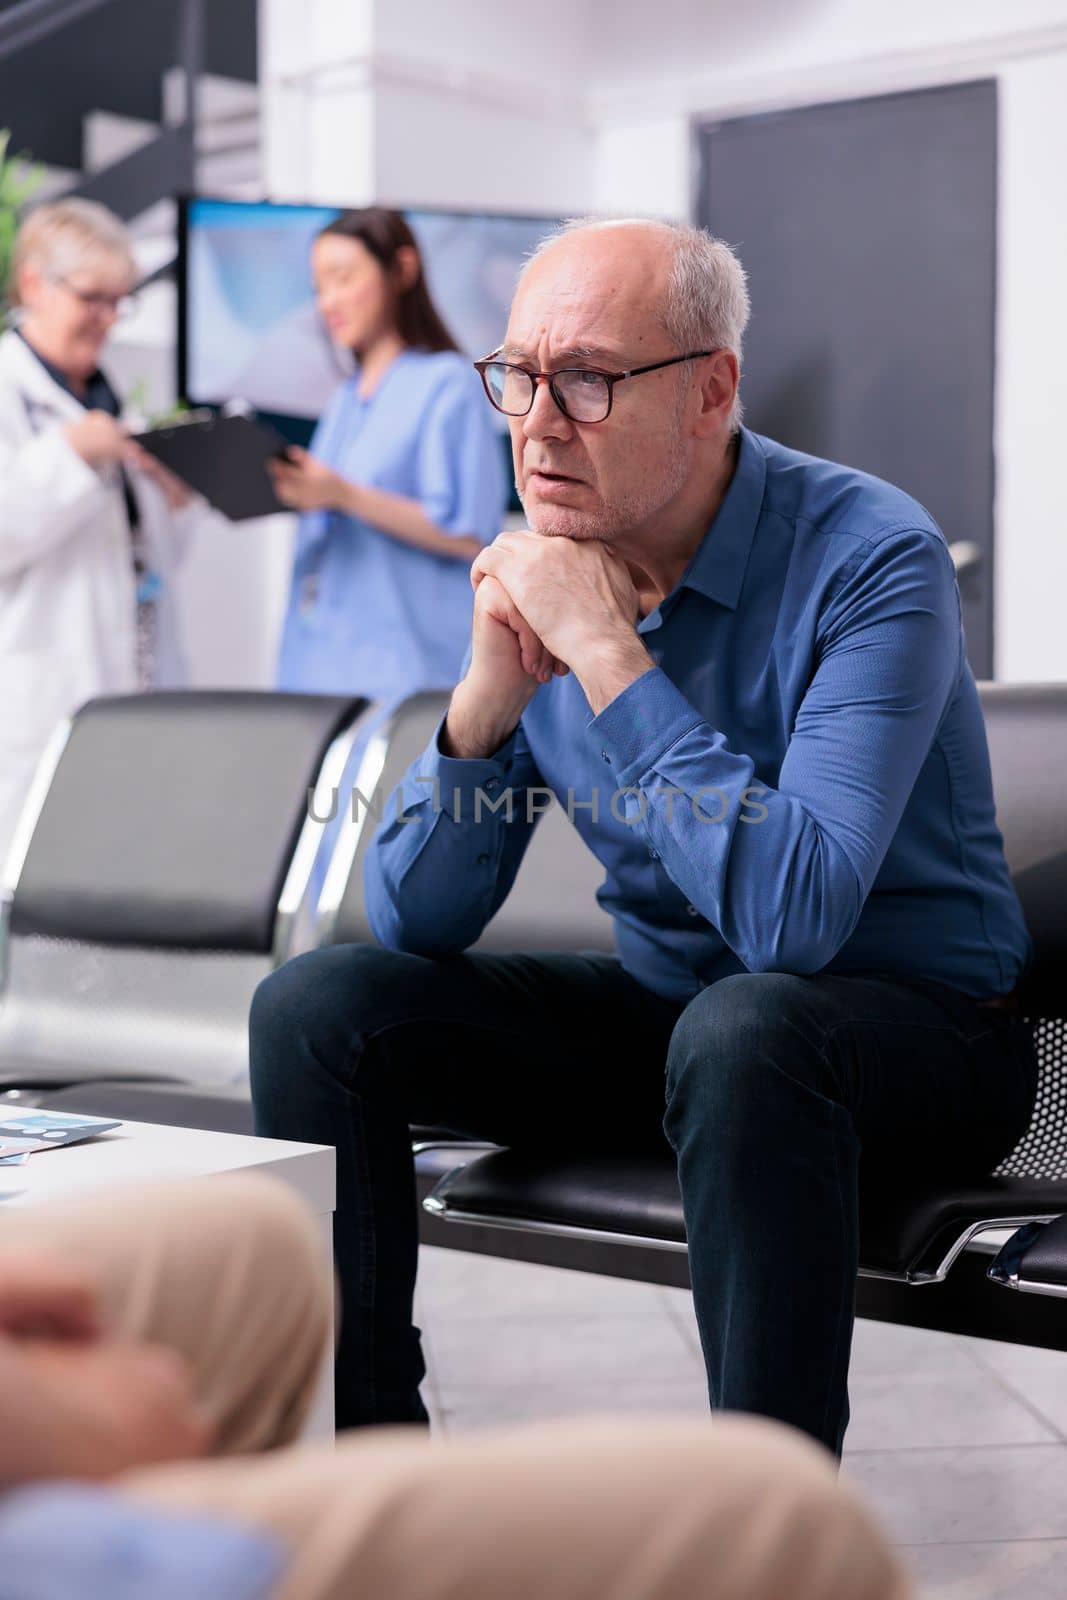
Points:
(248, 326)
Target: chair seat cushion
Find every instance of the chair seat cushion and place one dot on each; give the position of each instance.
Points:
(638, 1196)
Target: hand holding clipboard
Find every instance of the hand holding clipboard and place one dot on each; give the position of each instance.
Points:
(224, 458)
(304, 483)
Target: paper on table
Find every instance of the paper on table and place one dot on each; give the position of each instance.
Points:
(42, 1130)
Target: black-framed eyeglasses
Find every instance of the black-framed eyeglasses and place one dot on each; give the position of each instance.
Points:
(584, 394)
(114, 305)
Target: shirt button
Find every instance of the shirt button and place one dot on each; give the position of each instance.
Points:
(606, 757)
(653, 855)
(492, 784)
(692, 911)
(483, 861)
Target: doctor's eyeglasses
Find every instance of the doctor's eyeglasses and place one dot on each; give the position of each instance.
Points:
(584, 394)
(110, 305)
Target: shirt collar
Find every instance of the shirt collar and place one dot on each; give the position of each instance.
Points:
(98, 394)
(718, 567)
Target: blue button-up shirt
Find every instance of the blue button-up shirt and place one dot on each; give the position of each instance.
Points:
(800, 784)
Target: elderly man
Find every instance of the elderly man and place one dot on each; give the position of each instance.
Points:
(742, 669)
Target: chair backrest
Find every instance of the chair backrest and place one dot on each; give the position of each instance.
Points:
(1027, 729)
(155, 877)
(552, 904)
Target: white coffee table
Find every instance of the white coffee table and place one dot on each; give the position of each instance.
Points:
(139, 1152)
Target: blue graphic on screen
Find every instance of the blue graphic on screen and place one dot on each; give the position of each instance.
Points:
(252, 329)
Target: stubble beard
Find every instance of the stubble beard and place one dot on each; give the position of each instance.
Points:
(620, 514)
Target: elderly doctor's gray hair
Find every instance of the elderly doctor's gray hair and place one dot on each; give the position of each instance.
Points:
(64, 236)
(707, 303)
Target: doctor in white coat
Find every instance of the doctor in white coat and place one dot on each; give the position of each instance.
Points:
(90, 526)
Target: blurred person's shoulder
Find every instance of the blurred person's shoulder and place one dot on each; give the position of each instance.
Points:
(442, 373)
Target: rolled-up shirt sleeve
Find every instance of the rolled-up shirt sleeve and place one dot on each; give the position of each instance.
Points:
(448, 847)
(783, 872)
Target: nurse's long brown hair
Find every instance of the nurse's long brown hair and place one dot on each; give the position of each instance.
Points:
(384, 233)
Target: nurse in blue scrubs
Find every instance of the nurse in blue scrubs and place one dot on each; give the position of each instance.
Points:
(403, 484)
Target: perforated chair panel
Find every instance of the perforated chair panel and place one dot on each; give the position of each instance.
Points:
(1026, 725)
(172, 818)
(1042, 1151)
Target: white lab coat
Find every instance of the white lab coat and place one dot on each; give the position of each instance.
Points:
(67, 587)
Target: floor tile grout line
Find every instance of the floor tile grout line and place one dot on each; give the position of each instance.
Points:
(963, 1544)
(683, 1324)
(954, 1449)
(1016, 1394)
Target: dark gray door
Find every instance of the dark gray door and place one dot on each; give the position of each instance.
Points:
(868, 229)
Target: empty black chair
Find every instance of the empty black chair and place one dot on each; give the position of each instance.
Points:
(155, 877)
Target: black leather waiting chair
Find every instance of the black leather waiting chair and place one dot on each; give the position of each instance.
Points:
(154, 879)
(624, 1216)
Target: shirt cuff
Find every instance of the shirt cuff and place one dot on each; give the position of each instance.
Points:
(641, 724)
(451, 782)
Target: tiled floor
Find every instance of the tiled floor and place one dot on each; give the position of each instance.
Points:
(961, 1444)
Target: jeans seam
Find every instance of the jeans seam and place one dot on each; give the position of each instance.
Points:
(368, 1266)
(837, 1320)
(894, 1022)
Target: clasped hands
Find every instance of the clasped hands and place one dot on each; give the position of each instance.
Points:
(572, 606)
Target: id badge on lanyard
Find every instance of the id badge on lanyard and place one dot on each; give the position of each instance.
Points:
(309, 596)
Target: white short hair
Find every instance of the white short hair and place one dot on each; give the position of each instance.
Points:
(63, 236)
(707, 303)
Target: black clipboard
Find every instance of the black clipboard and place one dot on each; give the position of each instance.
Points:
(222, 458)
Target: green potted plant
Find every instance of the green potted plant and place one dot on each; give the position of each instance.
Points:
(19, 178)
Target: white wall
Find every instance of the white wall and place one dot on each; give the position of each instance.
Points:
(590, 105)
(318, 110)
(439, 146)
(690, 63)
(1031, 377)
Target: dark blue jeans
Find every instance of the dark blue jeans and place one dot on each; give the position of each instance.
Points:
(767, 1086)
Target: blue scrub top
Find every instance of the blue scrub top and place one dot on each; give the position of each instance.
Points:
(368, 614)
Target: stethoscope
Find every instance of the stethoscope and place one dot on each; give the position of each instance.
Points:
(41, 413)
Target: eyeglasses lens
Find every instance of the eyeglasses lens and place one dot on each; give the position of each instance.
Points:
(585, 396)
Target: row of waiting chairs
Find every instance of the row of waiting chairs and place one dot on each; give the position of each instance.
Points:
(163, 868)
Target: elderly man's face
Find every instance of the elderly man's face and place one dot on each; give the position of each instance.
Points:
(592, 301)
